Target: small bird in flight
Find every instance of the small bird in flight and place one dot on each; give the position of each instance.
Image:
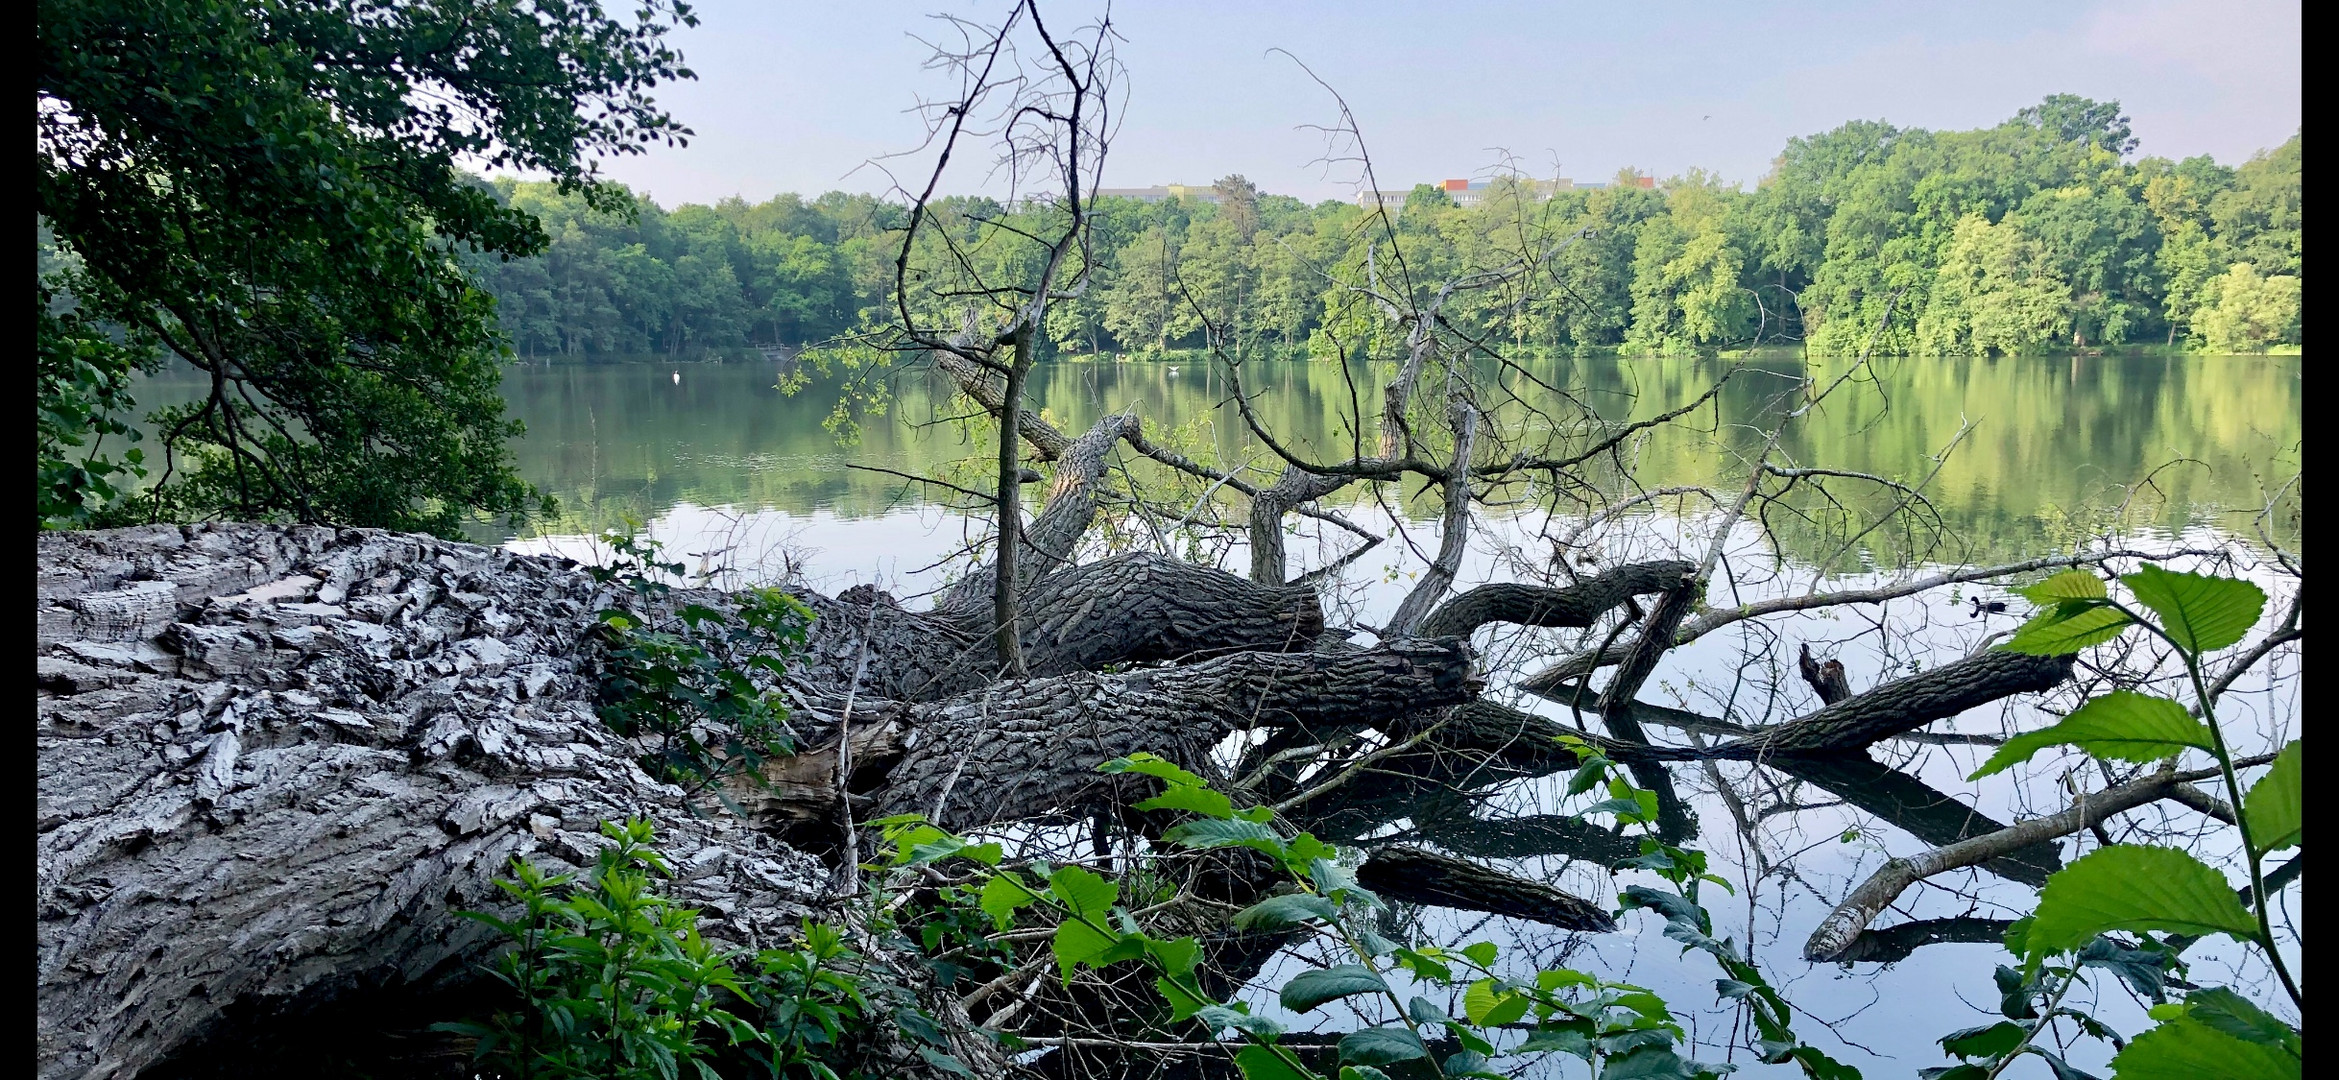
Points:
(1707, 117)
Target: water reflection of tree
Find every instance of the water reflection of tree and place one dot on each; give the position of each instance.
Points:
(1756, 555)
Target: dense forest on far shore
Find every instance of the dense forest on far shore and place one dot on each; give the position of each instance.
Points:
(2033, 235)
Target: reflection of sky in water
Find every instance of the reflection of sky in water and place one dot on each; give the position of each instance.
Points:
(1897, 1011)
(734, 476)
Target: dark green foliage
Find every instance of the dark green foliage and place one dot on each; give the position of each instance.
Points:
(268, 190)
(82, 394)
(643, 279)
(612, 980)
(2035, 234)
(691, 691)
(2134, 890)
(609, 979)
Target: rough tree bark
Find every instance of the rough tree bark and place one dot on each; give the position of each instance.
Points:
(1415, 875)
(1269, 565)
(1905, 705)
(1577, 605)
(1028, 749)
(272, 763)
(1454, 538)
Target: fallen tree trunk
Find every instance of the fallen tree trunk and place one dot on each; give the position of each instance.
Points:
(1576, 605)
(1908, 704)
(273, 762)
(1048, 542)
(1917, 808)
(1029, 749)
(1134, 608)
(1415, 875)
(1833, 939)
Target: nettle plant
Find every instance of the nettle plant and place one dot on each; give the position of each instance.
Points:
(1618, 1029)
(609, 978)
(2139, 889)
(691, 692)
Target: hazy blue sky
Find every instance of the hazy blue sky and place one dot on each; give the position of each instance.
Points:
(793, 96)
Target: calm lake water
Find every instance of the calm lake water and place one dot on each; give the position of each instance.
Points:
(2162, 450)
(2054, 441)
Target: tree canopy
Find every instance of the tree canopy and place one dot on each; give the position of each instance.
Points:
(2035, 234)
(272, 191)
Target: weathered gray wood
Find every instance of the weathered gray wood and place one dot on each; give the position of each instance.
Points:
(1133, 608)
(1579, 605)
(1420, 876)
(280, 788)
(1030, 748)
(1908, 704)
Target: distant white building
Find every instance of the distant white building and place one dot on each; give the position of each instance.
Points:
(1160, 192)
(1474, 192)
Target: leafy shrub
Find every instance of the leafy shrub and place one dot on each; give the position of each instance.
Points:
(692, 691)
(2133, 889)
(1618, 1028)
(610, 979)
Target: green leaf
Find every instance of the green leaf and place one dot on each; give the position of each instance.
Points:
(1428, 965)
(933, 1057)
(2237, 1016)
(1199, 800)
(2132, 887)
(1220, 1017)
(1510, 1010)
(1260, 1063)
(1644, 1003)
(2122, 725)
(1629, 809)
(987, 854)
(2014, 991)
(2145, 969)
(1988, 1041)
(1564, 1040)
(1561, 978)
(1184, 1000)
(1177, 955)
(1078, 943)
(1466, 1063)
(1361, 1072)
(1482, 953)
(2063, 1069)
(2061, 631)
(1083, 892)
(1314, 987)
(1000, 898)
(1215, 834)
(2200, 613)
(1284, 912)
(1646, 1063)
(1481, 999)
(2068, 585)
(2188, 1049)
(1673, 906)
(1819, 1066)
(1153, 765)
(1381, 1046)
(1588, 776)
(2274, 805)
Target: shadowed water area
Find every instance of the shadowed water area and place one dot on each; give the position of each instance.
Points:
(2156, 451)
